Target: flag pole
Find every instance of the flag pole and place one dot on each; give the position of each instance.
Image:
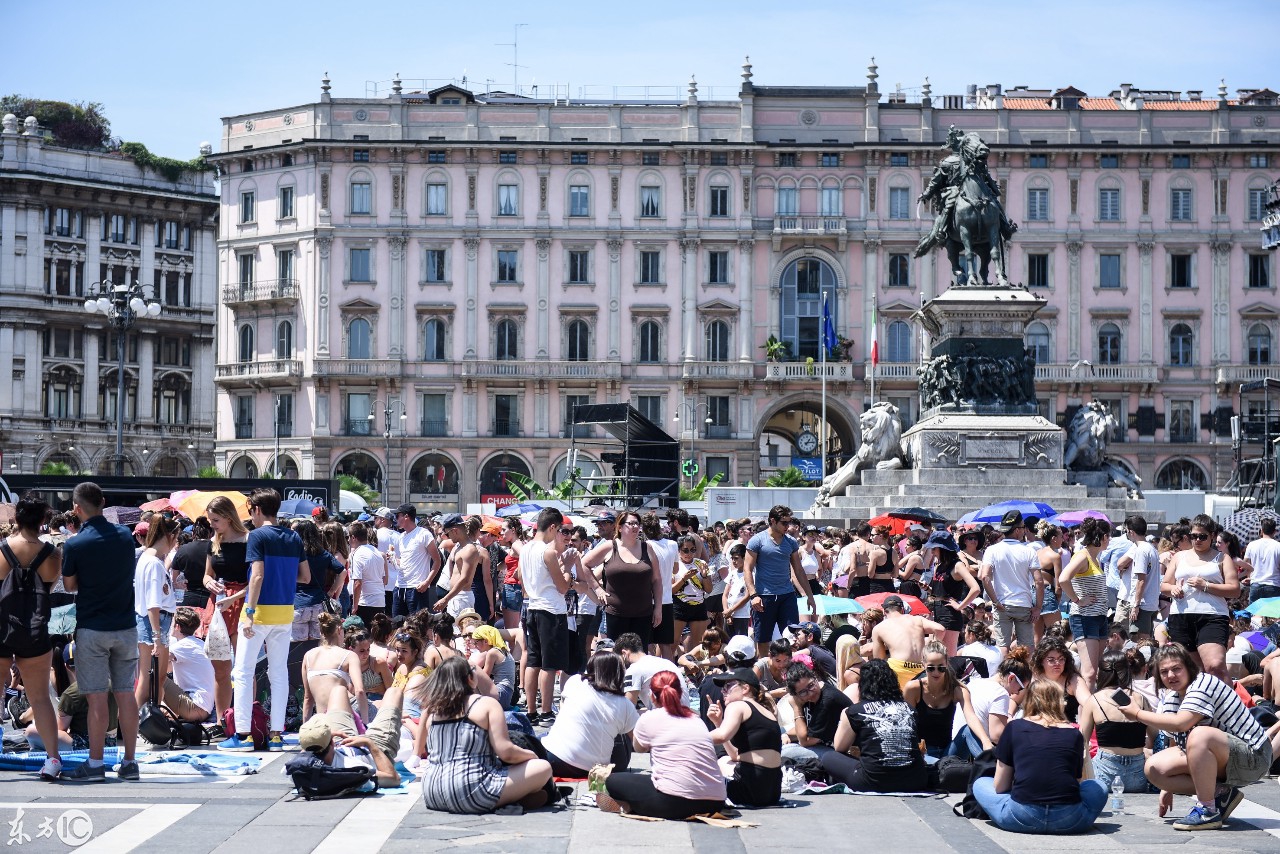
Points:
(874, 348)
(826, 322)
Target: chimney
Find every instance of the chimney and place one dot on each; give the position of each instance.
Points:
(993, 89)
(1194, 94)
(1124, 91)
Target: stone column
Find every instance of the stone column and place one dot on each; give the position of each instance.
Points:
(871, 275)
(92, 248)
(469, 410)
(1221, 301)
(689, 296)
(614, 342)
(8, 239)
(147, 264)
(746, 295)
(89, 388)
(1145, 287)
(324, 247)
(146, 377)
(542, 317)
(542, 419)
(6, 368)
(1073, 300)
(396, 339)
(471, 317)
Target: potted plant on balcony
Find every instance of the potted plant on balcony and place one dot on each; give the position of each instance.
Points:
(776, 350)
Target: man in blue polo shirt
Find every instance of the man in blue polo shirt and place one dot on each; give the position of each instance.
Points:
(773, 578)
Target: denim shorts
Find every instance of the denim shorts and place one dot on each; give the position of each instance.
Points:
(1050, 604)
(1130, 769)
(1089, 628)
(512, 597)
(145, 635)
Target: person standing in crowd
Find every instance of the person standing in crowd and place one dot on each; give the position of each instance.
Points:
(690, 586)
(1084, 583)
(388, 541)
(545, 584)
(189, 562)
(491, 541)
(277, 566)
(774, 578)
(631, 579)
(369, 575)
(1264, 554)
(1142, 561)
(666, 554)
(309, 600)
(154, 602)
(881, 566)
(420, 563)
(883, 728)
(463, 564)
(1010, 576)
(1219, 747)
(718, 569)
(737, 604)
(1050, 558)
(1201, 580)
(226, 574)
(953, 587)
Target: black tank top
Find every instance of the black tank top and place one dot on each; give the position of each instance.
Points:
(629, 585)
(757, 733)
(934, 725)
(1120, 734)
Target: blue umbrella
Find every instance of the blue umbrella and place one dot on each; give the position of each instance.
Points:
(1269, 607)
(830, 605)
(517, 509)
(993, 513)
(297, 507)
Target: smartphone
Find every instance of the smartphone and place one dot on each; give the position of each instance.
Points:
(1120, 698)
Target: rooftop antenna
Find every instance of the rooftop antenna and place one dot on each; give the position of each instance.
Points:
(514, 44)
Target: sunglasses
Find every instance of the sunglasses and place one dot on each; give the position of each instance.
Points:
(1199, 538)
(568, 532)
(935, 668)
(688, 551)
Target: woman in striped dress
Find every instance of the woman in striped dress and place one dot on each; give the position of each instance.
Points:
(1085, 584)
(472, 766)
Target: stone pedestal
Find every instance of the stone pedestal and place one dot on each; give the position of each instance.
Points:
(945, 441)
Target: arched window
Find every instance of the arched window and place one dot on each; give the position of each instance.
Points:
(717, 341)
(359, 339)
(433, 340)
(899, 347)
(1180, 474)
(246, 343)
(579, 341)
(1259, 345)
(284, 340)
(507, 344)
(1108, 344)
(650, 341)
(1181, 346)
(1039, 343)
(804, 284)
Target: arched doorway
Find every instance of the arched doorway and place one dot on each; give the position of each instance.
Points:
(1181, 474)
(792, 433)
(243, 467)
(171, 466)
(285, 468)
(431, 475)
(586, 467)
(493, 477)
(363, 467)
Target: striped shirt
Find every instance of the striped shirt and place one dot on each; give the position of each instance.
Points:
(1090, 581)
(1220, 706)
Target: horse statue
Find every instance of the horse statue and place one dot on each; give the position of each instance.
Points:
(881, 449)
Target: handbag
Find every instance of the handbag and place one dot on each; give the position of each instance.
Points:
(984, 765)
(156, 723)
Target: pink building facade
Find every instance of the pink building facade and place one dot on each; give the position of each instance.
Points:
(418, 289)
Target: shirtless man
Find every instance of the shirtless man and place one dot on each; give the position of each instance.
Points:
(861, 552)
(899, 639)
(464, 559)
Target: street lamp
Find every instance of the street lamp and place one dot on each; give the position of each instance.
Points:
(692, 409)
(387, 411)
(122, 304)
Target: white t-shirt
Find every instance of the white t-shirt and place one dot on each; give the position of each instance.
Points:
(415, 563)
(539, 590)
(667, 552)
(387, 538)
(152, 587)
(1013, 567)
(993, 655)
(193, 671)
(1146, 562)
(734, 590)
(587, 724)
(988, 697)
(644, 669)
(367, 566)
(1194, 600)
(1264, 555)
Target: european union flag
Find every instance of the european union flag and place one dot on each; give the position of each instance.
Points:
(829, 338)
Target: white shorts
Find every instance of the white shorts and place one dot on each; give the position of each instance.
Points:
(462, 602)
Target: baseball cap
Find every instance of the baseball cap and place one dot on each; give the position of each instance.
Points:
(407, 510)
(364, 517)
(492, 528)
(740, 648)
(606, 518)
(453, 520)
(141, 529)
(1010, 521)
(315, 735)
(317, 511)
(811, 529)
(893, 601)
(738, 674)
(807, 626)
(384, 513)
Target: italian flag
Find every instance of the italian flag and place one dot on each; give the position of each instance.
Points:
(875, 337)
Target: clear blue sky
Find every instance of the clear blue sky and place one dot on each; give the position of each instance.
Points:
(167, 72)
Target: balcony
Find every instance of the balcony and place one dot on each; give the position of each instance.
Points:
(249, 373)
(506, 427)
(717, 431)
(244, 430)
(803, 371)
(718, 370)
(434, 427)
(1098, 374)
(525, 369)
(260, 292)
(895, 371)
(1231, 374)
(357, 367)
(790, 225)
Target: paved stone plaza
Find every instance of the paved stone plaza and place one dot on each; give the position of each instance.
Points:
(255, 814)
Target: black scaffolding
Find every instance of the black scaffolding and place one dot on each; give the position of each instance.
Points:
(644, 459)
(1254, 434)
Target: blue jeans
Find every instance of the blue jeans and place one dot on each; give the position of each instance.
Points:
(1130, 769)
(1262, 591)
(966, 745)
(408, 601)
(1014, 817)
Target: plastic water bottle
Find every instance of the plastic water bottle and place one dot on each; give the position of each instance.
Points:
(1116, 806)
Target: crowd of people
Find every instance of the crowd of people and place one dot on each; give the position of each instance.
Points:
(490, 657)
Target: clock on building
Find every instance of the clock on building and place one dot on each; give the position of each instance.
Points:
(806, 442)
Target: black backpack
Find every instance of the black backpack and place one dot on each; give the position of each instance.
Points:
(315, 780)
(157, 724)
(24, 600)
(984, 765)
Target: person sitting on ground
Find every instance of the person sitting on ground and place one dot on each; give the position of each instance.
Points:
(748, 727)
(594, 711)
(977, 644)
(1123, 745)
(935, 699)
(494, 659)
(373, 670)
(818, 704)
(807, 637)
(994, 702)
(472, 765)
(685, 779)
(189, 693)
(641, 668)
(883, 729)
(1052, 660)
(329, 665)
(772, 670)
(332, 736)
(706, 656)
(899, 640)
(1038, 786)
(849, 663)
(1210, 762)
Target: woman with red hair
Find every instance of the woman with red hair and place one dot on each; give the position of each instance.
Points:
(685, 779)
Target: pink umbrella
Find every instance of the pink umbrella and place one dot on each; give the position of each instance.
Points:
(158, 506)
(1072, 518)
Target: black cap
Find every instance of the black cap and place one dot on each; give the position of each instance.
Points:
(1010, 521)
(407, 510)
(606, 519)
(740, 674)
(453, 520)
(893, 601)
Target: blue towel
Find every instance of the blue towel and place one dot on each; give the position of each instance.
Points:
(70, 759)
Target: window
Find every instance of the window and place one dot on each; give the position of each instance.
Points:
(719, 158)
(360, 155)
(650, 158)
(899, 159)
(1108, 344)
(1039, 343)
(899, 203)
(286, 159)
(246, 211)
(718, 267)
(899, 347)
(717, 341)
(361, 265)
(508, 200)
(506, 342)
(1180, 271)
(434, 266)
(1259, 344)
(507, 157)
(832, 202)
(359, 339)
(804, 284)
(437, 156)
(284, 268)
(358, 421)
(1182, 421)
(244, 417)
(437, 200)
(650, 267)
(435, 421)
(113, 228)
(245, 351)
(579, 341)
(716, 466)
(1259, 271)
(61, 223)
(830, 159)
(246, 270)
(1038, 204)
(1109, 161)
(1109, 271)
(650, 201)
(650, 342)
(1109, 204)
(284, 340)
(506, 415)
(1259, 161)
(579, 200)
(650, 406)
(433, 340)
(286, 203)
(166, 237)
(66, 343)
(579, 266)
(1257, 205)
(1181, 346)
(571, 404)
(361, 197)
(284, 415)
(1180, 205)
(1038, 161)
(1180, 474)
(719, 200)
(718, 412)
(787, 203)
(1038, 270)
(508, 265)
(899, 270)
(579, 158)
(787, 158)
(1180, 161)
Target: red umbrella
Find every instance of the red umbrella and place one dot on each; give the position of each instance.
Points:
(895, 526)
(913, 605)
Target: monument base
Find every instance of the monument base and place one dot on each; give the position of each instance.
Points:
(1001, 441)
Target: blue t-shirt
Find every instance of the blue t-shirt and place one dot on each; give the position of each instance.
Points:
(101, 559)
(280, 551)
(773, 563)
(316, 591)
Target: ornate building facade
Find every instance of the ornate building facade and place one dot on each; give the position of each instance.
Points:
(70, 220)
(417, 289)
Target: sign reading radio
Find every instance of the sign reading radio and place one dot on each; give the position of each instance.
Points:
(315, 495)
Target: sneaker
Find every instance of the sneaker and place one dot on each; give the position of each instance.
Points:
(1227, 799)
(128, 770)
(1201, 817)
(82, 773)
(236, 744)
(275, 744)
(51, 770)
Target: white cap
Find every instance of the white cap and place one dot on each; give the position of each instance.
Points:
(1235, 656)
(741, 648)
